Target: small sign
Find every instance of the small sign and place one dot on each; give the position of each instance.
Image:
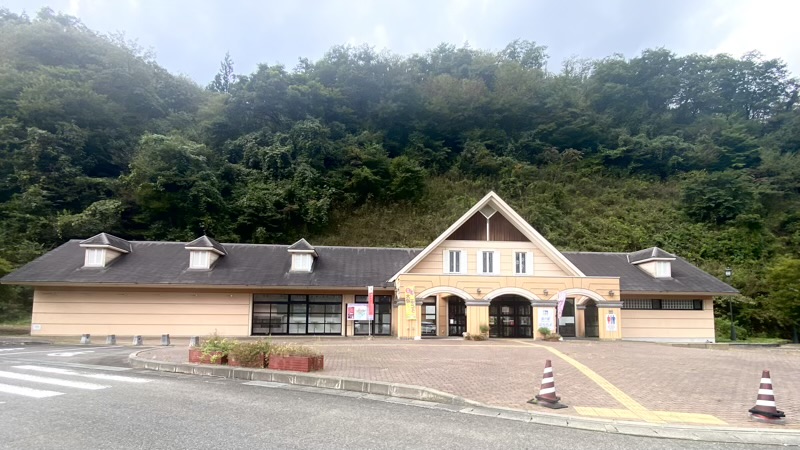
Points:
(611, 322)
(357, 311)
(36, 327)
(546, 319)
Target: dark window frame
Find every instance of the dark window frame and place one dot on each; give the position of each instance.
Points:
(294, 299)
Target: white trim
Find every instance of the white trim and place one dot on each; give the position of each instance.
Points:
(462, 261)
(199, 259)
(299, 261)
(524, 227)
(103, 246)
(205, 249)
(495, 262)
(444, 290)
(596, 296)
(653, 259)
(511, 291)
(528, 263)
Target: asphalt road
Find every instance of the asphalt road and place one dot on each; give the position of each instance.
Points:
(85, 397)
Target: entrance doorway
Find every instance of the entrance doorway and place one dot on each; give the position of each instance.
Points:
(429, 317)
(457, 317)
(590, 320)
(510, 317)
(566, 324)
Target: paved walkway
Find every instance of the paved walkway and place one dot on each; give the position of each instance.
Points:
(620, 380)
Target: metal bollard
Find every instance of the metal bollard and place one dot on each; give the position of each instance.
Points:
(111, 339)
(137, 340)
(86, 339)
(164, 339)
(194, 341)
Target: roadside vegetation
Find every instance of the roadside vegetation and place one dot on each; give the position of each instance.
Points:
(696, 154)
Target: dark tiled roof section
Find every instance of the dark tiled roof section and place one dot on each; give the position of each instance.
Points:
(110, 240)
(301, 245)
(165, 263)
(652, 252)
(207, 242)
(685, 276)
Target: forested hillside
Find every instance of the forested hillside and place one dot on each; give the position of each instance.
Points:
(697, 154)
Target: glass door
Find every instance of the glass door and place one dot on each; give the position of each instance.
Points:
(566, 324)
(457, 317)
(429, 319)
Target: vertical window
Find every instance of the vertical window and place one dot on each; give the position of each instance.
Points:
(489, 262)
(95, 257)
(663, 269)
(455, 261)
(198, 260)
(523, 263)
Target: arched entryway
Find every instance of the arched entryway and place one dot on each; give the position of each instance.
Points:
(510, 316)
(443, 311)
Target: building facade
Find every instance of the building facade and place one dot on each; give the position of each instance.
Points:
(490, 269)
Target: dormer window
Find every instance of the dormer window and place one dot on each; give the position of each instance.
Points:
(95, 257)
(302, 262)
(663, 269)
(103, 248)
(199, 259)
(203, 252)
(303, 255)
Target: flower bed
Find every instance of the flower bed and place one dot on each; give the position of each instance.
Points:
(297, 363)
(256, 354)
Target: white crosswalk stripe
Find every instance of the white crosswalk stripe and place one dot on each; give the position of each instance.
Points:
(27, 392)
(98, 376)
(53, 381)
(10, 349)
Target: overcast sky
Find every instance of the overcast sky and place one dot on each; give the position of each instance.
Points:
(191, 37)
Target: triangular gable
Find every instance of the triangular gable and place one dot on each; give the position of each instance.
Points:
(523, 226)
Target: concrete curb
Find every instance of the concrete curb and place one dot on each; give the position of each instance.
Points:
(303, 379)
(432, 397)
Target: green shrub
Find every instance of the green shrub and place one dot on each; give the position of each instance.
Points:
(216, 345)
(722, 327)
(292, 350)
(544, 331)
(248, 353)
(484, 329)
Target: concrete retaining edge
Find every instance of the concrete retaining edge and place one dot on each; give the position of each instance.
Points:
(781, 437)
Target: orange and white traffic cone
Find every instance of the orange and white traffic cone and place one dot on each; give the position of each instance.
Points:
(765, 409)
(547, 393)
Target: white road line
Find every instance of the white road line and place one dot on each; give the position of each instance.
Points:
(73, 365)
(54, 381)
(27, 392)
(100, 376)
(10, 349)
(65, 350)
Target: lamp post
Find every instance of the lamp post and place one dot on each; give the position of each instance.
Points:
(728, 274)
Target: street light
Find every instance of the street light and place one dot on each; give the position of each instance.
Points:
(728, 275)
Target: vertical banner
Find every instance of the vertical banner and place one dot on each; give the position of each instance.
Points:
(562, 299)
(611, 322)
(411, 305)
(371, 302)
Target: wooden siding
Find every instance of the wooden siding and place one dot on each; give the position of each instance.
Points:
(500, 229)
(542, 265)
(473, 229)
(667, 324)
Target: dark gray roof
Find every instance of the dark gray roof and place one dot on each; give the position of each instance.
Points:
(685, 276)
(109, 240)
(652, 252)
(167, 263)
(301, 245)
(206, 242)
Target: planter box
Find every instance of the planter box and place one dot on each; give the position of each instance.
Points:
(259, 363)
(296, 363)
(196, 356)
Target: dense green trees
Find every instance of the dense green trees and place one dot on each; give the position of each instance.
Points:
(697, 154)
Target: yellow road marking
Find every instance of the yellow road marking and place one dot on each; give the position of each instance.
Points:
(626, 401)
(667, 416)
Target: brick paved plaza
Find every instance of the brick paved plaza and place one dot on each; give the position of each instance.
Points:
(704, 386)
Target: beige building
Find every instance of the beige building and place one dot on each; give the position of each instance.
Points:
(489, 270)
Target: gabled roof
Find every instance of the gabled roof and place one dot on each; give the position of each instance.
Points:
(649, 254)
(523, 226)
(686, 278)
(302, 246)
(205, 242)
(166, 264)
(107, 240)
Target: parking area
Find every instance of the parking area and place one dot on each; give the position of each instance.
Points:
(620, 380)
